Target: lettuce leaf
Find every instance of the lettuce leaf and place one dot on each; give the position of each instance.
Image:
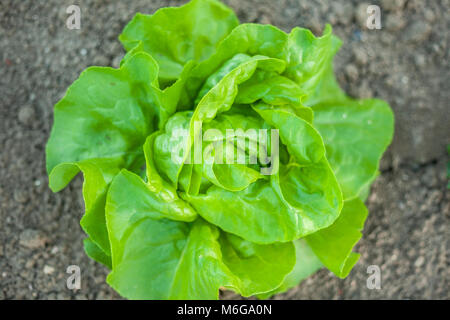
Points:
(355, 133)
(333, 245)
(175, 36)
(157, 255)
(306, 263)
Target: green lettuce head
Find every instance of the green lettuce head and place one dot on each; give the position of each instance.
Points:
(219, 155)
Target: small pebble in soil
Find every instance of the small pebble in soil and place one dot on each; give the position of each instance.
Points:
(420, 60)
(32, 239)
(364, 91)
(395, 22)
(48, 269)
(392, 5)
(361, 15)
(352, 72)
(405, 80)
(20, 196)
(26, 115)
(429, 15)
(417, 32)
(360, 56)
(419, 262)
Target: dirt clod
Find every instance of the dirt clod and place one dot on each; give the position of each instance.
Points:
(32, 239)
(352, 72)
(417, 32)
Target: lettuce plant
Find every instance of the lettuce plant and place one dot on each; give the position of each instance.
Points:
(184, 229)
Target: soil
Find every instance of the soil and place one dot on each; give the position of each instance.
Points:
(405, 62)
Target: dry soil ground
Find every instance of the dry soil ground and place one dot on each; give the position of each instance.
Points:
(405, 62)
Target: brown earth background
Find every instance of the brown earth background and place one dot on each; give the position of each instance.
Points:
(406, 62)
